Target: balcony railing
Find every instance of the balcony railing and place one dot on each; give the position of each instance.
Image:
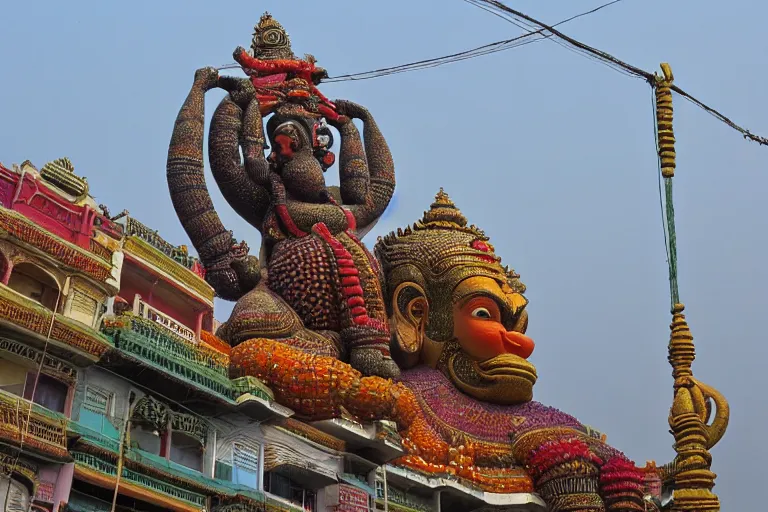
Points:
(131, 476)
(144, 310)
(163, 349)
(37, 428)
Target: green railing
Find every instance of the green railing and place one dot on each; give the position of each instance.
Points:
(94, 438)
(203, 367)
(151, 343)
(133, 477)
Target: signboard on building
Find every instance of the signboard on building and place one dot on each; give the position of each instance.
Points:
(352, 499)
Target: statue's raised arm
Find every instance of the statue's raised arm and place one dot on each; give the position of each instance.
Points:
(366, 172)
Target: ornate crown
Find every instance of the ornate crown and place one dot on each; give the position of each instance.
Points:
(442, 235)
(270, 40)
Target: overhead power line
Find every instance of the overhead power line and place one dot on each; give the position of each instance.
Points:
(516, 17)
(531, 36)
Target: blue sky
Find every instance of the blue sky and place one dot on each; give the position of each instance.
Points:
(550, 153)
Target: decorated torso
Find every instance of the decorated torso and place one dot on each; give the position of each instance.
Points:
(455, 415)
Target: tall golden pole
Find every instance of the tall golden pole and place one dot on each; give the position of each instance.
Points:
(691, 408)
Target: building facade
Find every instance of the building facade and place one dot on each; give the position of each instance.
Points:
(115, 391)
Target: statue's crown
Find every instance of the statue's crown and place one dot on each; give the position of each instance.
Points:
(270, 40)
(444, 217)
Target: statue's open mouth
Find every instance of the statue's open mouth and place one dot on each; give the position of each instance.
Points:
(507, 365)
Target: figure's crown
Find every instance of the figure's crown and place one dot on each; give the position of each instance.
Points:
(444, 212)
(444, 217)
(270, 40)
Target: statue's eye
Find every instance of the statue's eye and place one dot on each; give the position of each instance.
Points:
(481, 313)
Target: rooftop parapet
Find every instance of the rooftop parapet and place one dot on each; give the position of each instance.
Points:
(179, 254)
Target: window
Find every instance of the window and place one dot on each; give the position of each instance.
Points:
(12, 377)
(223, 470)
(33, 282)
(83, 308)
(96, 411)
(49, 392)
(146, 439)
(187, 451)
(284, 487)
(245, 466)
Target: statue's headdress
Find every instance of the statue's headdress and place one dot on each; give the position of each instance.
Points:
(270, 40)
(442, 243)
(423, 266)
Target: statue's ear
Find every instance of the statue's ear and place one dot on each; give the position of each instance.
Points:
(410, 310)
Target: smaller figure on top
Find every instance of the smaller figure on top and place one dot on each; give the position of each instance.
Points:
(279, 76)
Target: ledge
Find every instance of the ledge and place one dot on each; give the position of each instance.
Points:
(364, 440)
(406, 478)
(22, 313)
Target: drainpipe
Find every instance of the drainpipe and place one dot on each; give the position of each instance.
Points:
(19, 186)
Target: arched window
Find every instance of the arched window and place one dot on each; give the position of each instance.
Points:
(33, 282)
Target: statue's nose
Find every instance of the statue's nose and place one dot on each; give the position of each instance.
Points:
(518, 344)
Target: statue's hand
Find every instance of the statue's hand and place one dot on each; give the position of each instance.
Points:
(352, 110)
(237, 53)
(240, 89)
(207, 78)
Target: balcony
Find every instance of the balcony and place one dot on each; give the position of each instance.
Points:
(67, 337)
(152, 343)
(173, 264)
(373, 441)
(27, 232)
(457, 496)
(102, 473)
(33, 427)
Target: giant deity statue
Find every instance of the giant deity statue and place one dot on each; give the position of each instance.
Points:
(317, 314)
(463, 403)
(322, 290)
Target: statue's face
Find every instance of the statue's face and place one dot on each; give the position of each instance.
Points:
(484, 320)
(294, 159)
(487, 356)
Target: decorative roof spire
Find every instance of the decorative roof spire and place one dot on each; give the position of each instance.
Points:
(443, 213)
(270, 40)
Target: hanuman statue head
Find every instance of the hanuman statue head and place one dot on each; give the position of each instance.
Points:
(270, 40)
(454, 307)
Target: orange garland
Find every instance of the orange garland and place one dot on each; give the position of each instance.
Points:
(317, 387)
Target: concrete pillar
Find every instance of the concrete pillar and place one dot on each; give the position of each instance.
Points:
(436, 501)
(7, 274)
(63, 485)
(199, 324)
